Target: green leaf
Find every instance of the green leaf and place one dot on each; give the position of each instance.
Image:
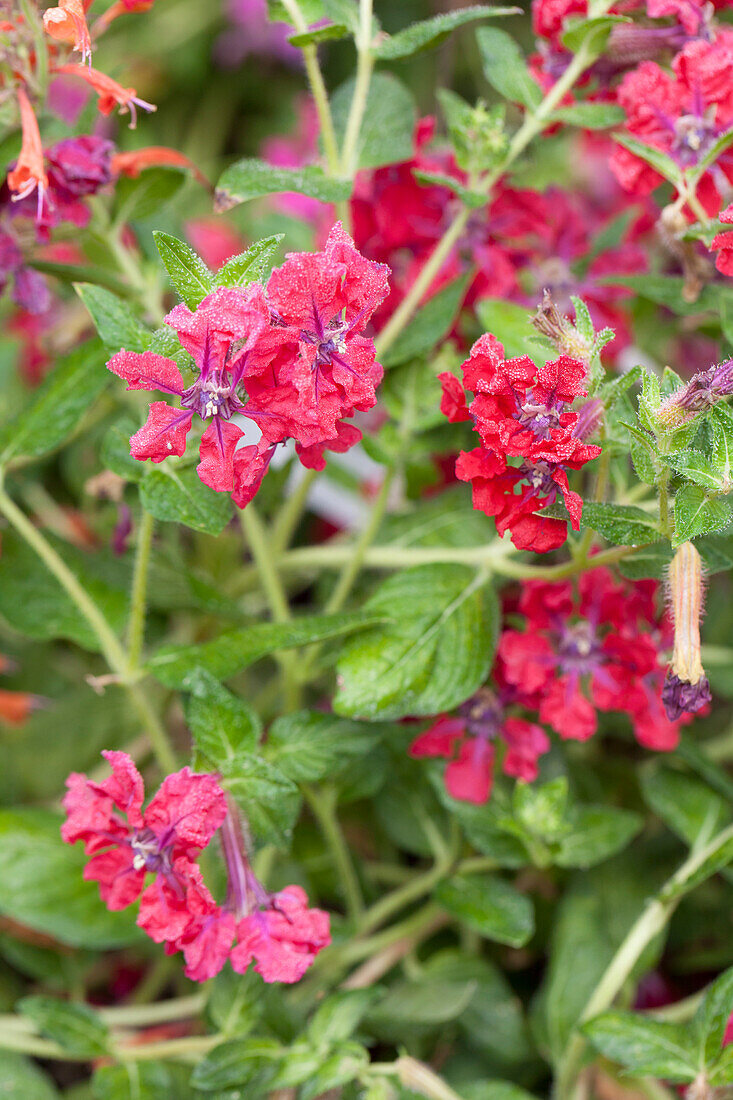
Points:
(250, 1062)
(484, 826)
(222, 725)
(711, 1019)
(180, 496)
(330, 32)
(114, 319)
(696, 514)
(668, 291)
(622, 524)
(269, 800)
(472, 199)
(339, 1015)
(251, 178)
(490, 906)
(144, 195)
(590, 34)
(431, 32)
(133, 1081)
(589, 116)
(250, 266)
(236, 649)
(698, 468)
(541, 808)
(434, 655)
(598, 832)
(505, 68)
(57, 406)
(346, 12)
(722, 1071)
(309, 745)
(429, 325)
(188, 273)
(510, 324)
(235, 1002)
(659, 161)
(648, 561)
(75, 1027)
(43, 886)
(643, 454)
(311, 10)
(386, 134)
(425, 1002)
(647, 1048)
(345, 1064)
(21, 1079)
(33, 602)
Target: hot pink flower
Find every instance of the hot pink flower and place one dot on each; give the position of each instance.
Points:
(723, 243)
(126, 842)
(283, 939)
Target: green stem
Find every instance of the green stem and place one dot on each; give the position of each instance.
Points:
(353, 566)
(264, 560)
(417, 1077)
(109, 644)
(398, 899)
(323, 805)
(318, 89)
(290, 514)
(364, 65)
(651, 922)
(139, 591)
(664, 516)
(532, 125)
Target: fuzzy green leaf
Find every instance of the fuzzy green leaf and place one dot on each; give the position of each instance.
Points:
(222, 724)
(490, 906)
(251, 266)
(622, 524)
(386, 133)
(251, 178)
(696, 514)
(114, 319)
(188, 272)
(505, 67)
(645, 1047)
(180, 496)
(431, 32)
(75, 1027)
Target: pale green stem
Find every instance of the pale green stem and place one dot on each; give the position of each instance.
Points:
(418, 1077)
(364, 65)
(256, 537)
(323, 804)
(398, 899)
(139, 591)
(664, 516)
(318, 89)
(651, 922)
(352, 568)
(290, 514)
(532, 125)
(109, 644)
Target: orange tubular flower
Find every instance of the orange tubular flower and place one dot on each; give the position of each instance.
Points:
(67, 23)
(29, 173)
(133, 163)
(111, 94)
(17, 706)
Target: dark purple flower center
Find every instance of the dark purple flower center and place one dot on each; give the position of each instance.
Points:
(483, 714)
(541, 419)
(149, 853)
(212, 395)
(538, 476)
(578, 649)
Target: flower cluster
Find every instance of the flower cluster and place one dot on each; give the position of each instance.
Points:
(127, 844)
(598, 649)
(294, 359)
(521, 411)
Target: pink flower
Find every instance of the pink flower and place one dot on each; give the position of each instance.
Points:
(127, 843)
(283, 939)
(469, 742)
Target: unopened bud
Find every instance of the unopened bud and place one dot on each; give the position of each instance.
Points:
(590, 418)
(705, 389)
(560, 330)
(686, 688)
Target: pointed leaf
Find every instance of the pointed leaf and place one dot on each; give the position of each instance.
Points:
(188, 272)
(490, 906)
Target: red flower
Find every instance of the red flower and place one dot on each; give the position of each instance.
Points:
(283, 939)
(682, 114)
(110, 93)
(723, 243)
(599, 651)
(521, 411)
(226, 316)
(126, 842)
(468, 741)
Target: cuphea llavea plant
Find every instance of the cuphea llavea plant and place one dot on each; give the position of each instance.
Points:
(403, 583)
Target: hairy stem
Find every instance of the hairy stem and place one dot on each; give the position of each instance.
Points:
(256, 537)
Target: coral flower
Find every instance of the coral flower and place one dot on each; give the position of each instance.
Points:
(133, 163)
(29, 174)
(67, 23)
(111, 94)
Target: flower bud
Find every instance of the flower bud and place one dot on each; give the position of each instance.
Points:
(560, 330)
(705, 389)
(686, 688)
